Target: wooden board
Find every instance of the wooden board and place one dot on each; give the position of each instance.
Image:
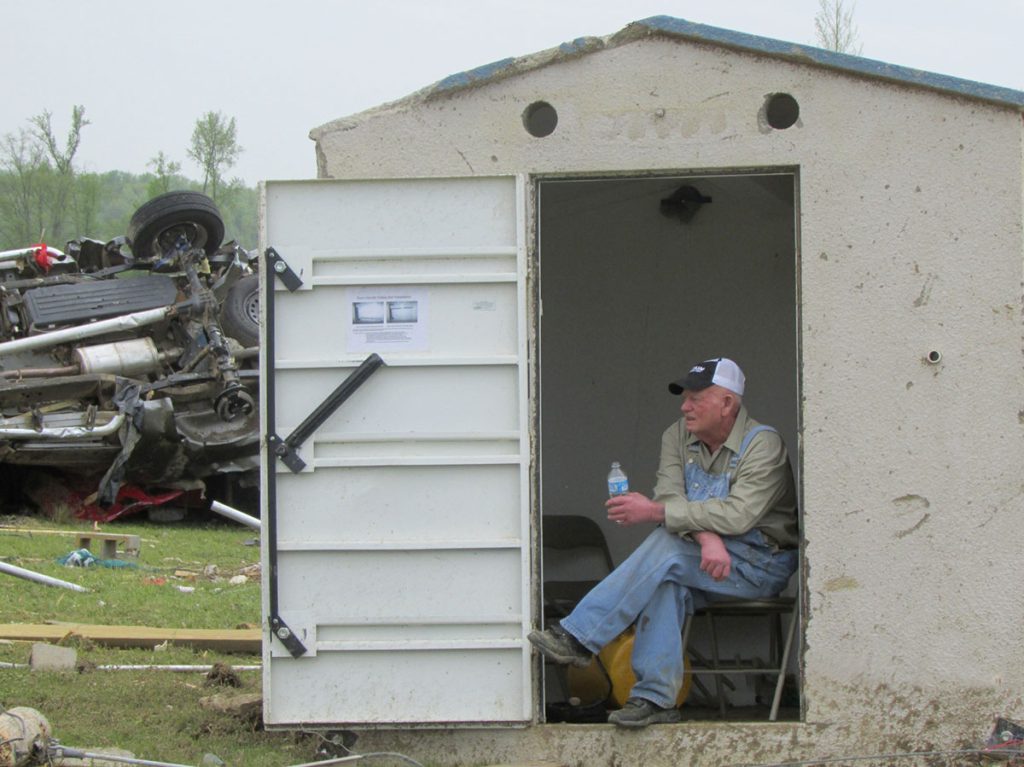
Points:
(228, 640)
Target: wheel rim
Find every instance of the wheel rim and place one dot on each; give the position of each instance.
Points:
(251, 307)
(195, 235)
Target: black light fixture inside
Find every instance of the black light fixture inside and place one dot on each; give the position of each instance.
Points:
(683, 203)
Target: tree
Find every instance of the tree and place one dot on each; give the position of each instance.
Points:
(22, 199)
(38, 185)
(215, 148)
(165, 170)
(62, 187)
(835, 29)
(87, 204)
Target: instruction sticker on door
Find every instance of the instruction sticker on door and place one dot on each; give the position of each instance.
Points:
(387, 318)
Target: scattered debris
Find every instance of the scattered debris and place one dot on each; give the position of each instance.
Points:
(251, 572)
(24, 736)
(46, 580)
(79, 642)
(49, 657)
(1006, 742)
(135, 392)
(65, 756)
(231, 513)
(247, 707)
(85, 558)
(108, 543)
(222, 674)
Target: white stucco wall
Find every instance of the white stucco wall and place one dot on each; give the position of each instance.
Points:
(910, 235)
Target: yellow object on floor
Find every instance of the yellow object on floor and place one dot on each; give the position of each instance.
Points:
(592, 684)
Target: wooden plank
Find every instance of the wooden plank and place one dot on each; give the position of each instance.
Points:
(227, 640)
(37, 531)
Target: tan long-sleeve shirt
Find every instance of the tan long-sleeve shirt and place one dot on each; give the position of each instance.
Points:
(762, 493)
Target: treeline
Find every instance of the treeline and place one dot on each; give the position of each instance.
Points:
(45, 198)
(101, 205)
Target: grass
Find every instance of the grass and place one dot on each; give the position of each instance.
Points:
(172, 556)
(154, 714)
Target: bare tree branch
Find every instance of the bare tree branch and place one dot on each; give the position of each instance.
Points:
(834, 27)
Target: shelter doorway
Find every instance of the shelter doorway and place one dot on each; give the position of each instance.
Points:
(639, 278)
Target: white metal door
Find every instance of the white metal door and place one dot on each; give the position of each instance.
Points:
(399, 556)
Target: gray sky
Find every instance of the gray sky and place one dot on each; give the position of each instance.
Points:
(145, 70)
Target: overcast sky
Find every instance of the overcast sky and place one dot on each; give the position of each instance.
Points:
(146, 70)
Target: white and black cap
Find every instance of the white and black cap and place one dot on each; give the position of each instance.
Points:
(720, 372)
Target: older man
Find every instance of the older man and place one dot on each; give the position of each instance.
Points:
(725, 506)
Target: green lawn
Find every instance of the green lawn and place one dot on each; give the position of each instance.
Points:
(180, 580)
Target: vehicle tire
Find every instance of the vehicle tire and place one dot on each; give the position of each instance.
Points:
(155, 227)
(240, 314)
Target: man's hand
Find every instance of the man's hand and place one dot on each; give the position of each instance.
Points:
(633, 509)
(714, 559)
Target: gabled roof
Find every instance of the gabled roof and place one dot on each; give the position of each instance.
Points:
(668, 26)
(680, 29)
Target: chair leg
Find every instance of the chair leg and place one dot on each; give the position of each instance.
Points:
(790, 634)
(715, 664)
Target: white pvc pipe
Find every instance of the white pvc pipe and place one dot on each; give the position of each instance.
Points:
(13, 255)
(235, 514)
(130, 322)
(165, 667)
(59, 752)
(172, 667)
(39, 577)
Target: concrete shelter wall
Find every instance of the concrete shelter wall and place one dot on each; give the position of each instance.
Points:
(910, 242)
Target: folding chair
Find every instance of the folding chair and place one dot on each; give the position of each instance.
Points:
(780, 642)
(576, 558)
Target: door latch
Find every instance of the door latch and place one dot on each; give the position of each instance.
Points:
(286, 449)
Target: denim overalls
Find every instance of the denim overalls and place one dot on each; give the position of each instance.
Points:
(661, 583)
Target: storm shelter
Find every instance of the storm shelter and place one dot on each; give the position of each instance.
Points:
(570, 230)
(641, 277)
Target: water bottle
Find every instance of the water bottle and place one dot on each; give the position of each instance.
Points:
(618, 484)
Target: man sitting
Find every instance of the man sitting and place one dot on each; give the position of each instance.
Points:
(725, 506)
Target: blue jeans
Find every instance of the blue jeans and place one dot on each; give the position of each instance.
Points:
(657, 587)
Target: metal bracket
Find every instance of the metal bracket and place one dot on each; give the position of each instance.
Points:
(286, 636)
(285, 449)
(277, 265)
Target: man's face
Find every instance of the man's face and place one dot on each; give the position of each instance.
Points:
(704, 411)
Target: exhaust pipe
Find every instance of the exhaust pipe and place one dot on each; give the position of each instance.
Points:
(130, 322)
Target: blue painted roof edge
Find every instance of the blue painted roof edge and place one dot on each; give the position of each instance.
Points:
(470, 76)
(676, 27)
(509, 66)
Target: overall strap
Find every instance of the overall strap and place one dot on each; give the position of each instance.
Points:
(746, 443)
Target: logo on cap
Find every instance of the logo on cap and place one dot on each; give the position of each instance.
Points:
(720, 372)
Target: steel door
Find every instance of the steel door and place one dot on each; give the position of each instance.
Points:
(396, 548)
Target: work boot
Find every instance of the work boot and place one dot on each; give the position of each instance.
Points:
(639, 712)
(560, 646)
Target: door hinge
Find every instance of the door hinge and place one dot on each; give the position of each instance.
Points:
(277, 265)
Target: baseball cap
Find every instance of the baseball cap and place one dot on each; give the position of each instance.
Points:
(721, 371)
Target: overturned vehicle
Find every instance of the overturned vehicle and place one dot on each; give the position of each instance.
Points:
(128, 368)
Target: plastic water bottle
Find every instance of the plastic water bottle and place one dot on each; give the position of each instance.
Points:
(618, 484)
